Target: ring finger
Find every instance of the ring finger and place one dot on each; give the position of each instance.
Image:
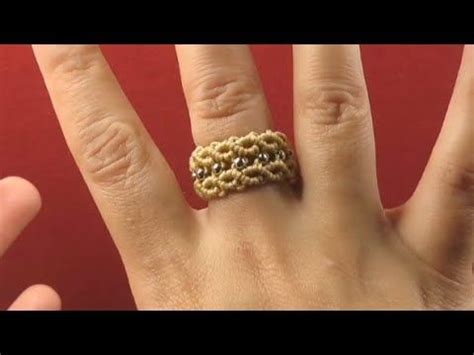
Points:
(224, 98)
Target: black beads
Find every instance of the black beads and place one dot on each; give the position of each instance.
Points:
(217, 168)
(263, 157)
(240, 163)
(201, 173)
(281, 154)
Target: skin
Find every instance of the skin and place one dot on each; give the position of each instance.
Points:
(329, 245)
(20, 201)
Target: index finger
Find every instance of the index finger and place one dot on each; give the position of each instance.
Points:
(129, 179)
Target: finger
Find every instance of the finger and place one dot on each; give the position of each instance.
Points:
(20, 201)
(224, 98)
(37, 297)
(333, 127)
(438, 218)
(132, 185)
(223, 91)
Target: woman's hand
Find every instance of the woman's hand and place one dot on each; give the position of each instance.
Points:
(19, 204)
(330, 246)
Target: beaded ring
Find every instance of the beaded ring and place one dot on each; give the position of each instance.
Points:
(240, 162)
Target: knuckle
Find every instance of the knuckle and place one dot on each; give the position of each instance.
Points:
(458, 178)
(334, 104)
(217, 97)
(112, 151)
(74, 63)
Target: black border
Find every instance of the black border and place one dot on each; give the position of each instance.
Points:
(237, 22)
(150, 332)
(164, 36)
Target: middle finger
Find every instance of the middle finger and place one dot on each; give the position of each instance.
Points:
(225, 98)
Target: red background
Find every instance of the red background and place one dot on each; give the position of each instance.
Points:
(68, 247)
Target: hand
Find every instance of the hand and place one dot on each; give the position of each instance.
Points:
(19, 204)
(330, 246)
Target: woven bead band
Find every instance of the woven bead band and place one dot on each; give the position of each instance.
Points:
(241, 162)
